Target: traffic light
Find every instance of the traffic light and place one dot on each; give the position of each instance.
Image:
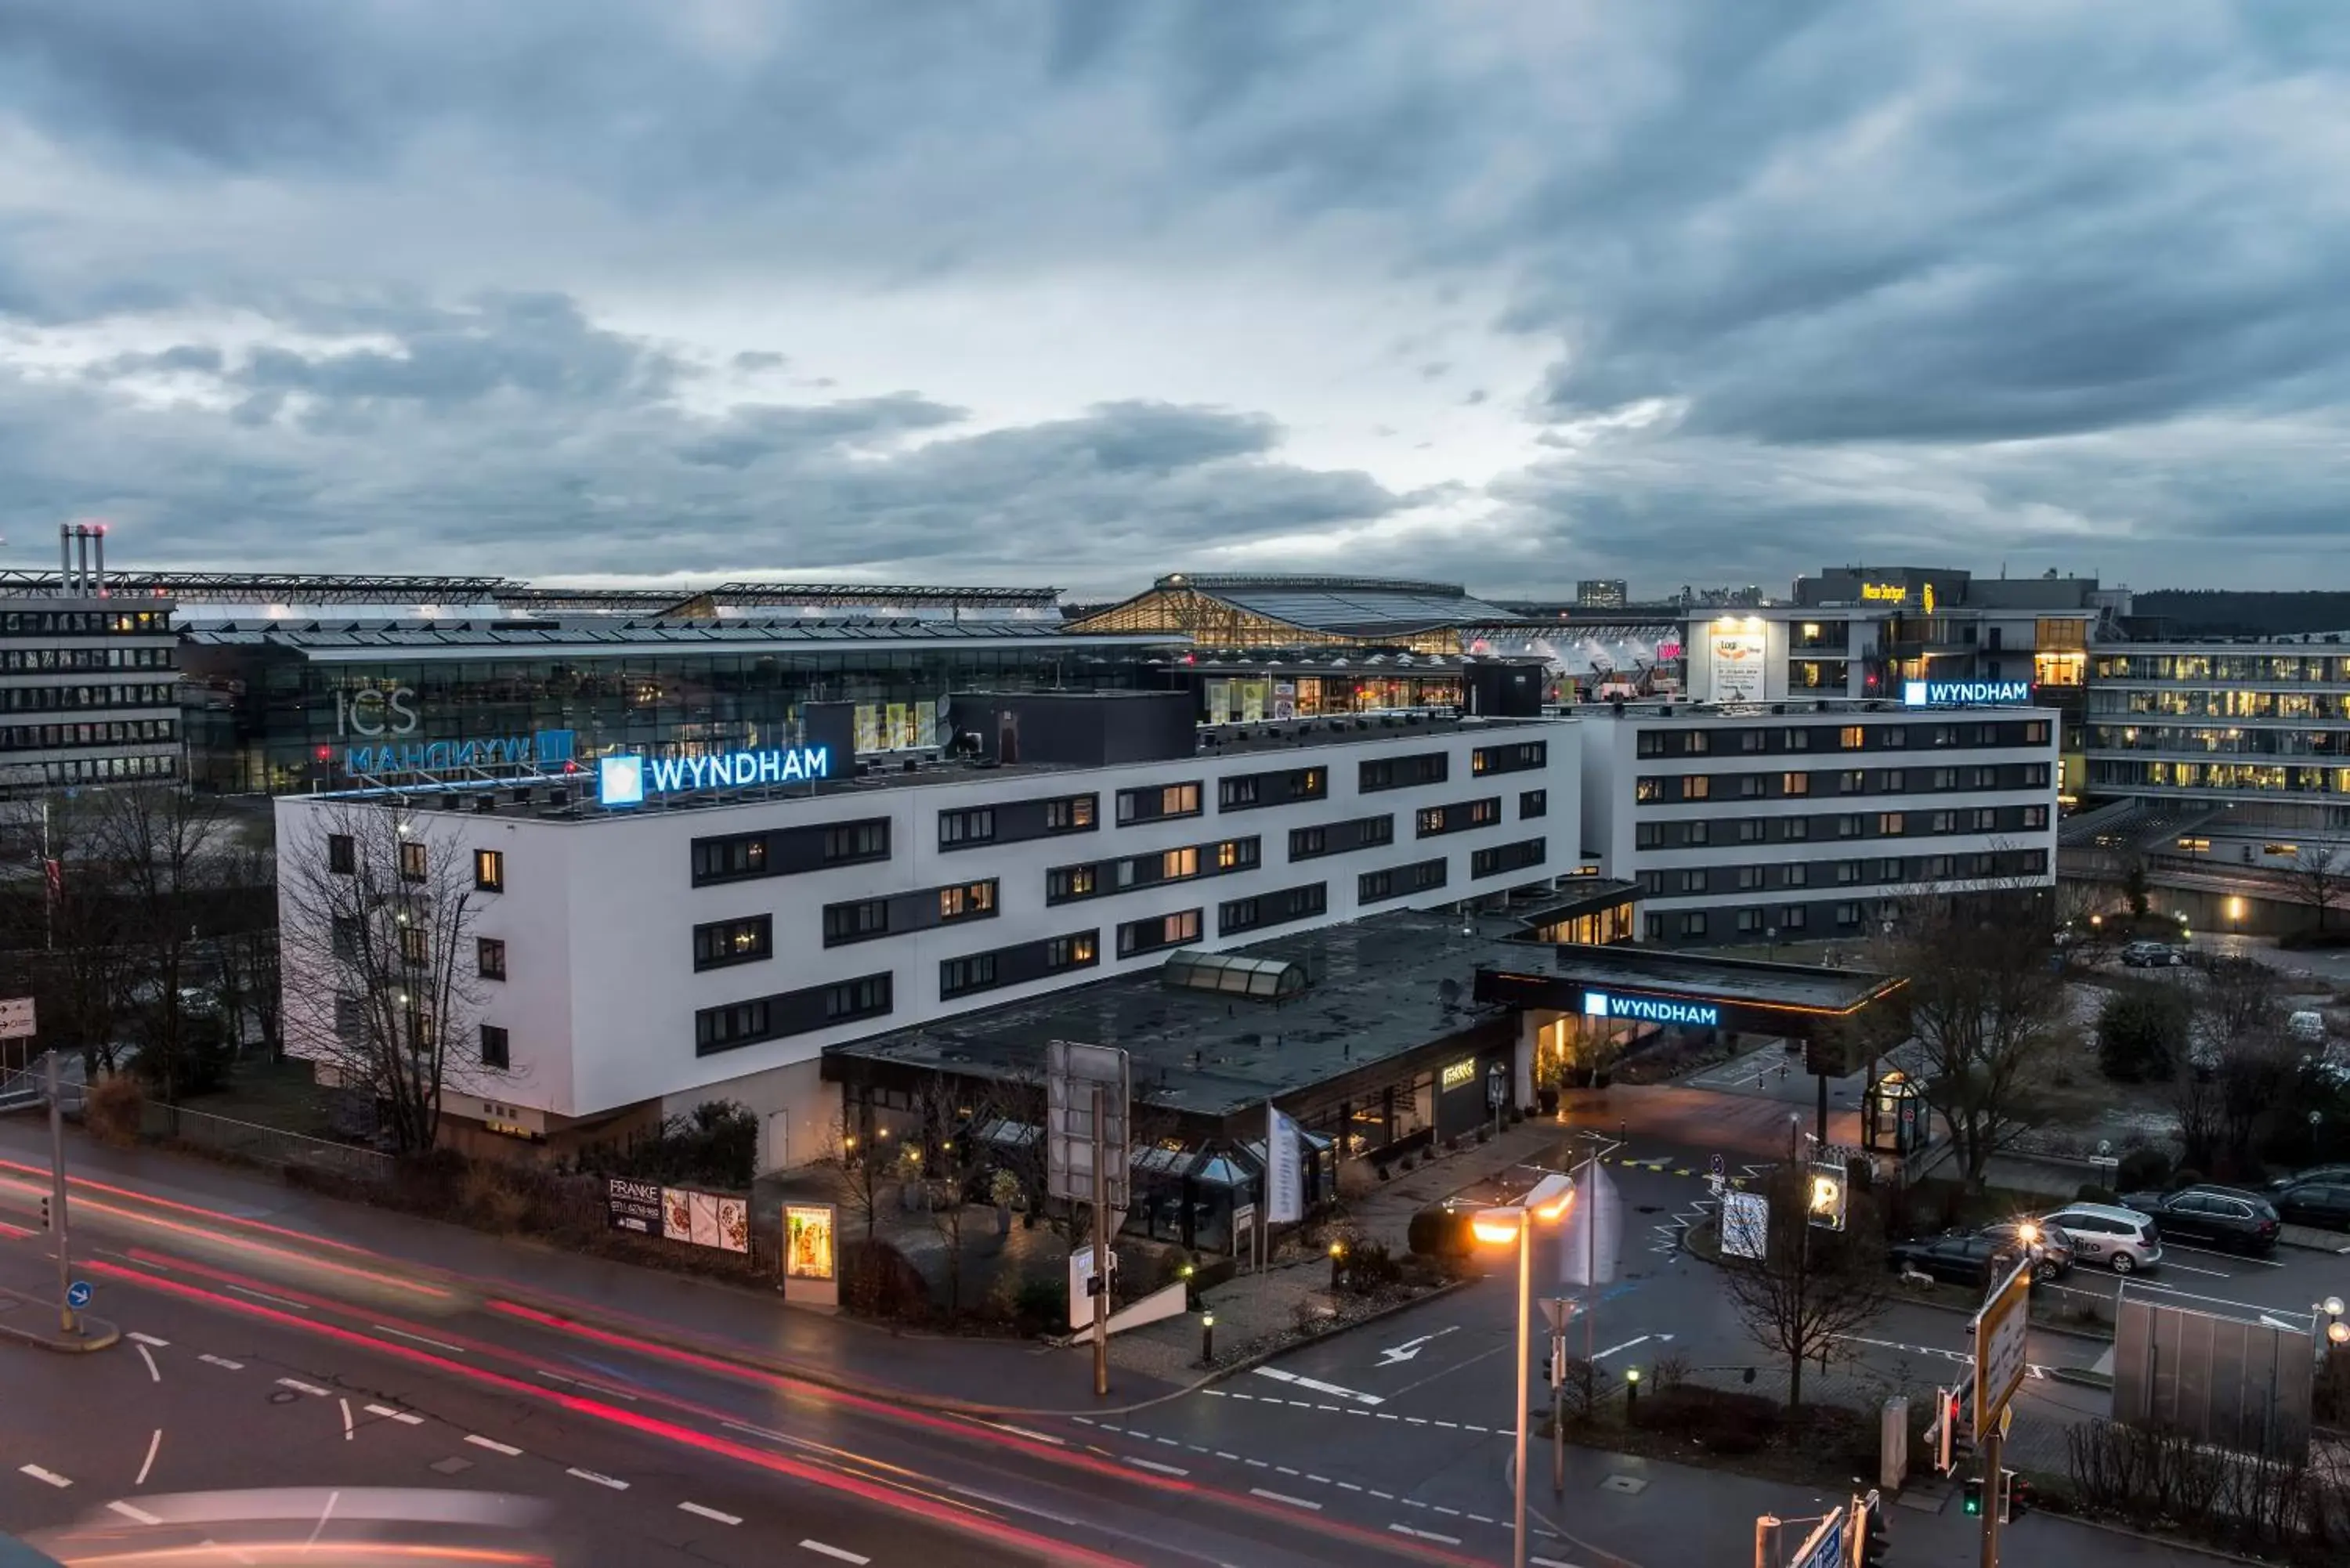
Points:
(44, 1212)
(1875, 1536)
(1970, 1498)
(1830, 1186)
(2015, 1496)
(1944, 1433)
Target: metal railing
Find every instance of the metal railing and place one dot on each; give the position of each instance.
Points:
(29, 1090)
(265, 1146)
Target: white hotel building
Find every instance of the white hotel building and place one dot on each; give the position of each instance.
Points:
(710, 942)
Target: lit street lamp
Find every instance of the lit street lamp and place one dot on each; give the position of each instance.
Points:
(1546, 1203)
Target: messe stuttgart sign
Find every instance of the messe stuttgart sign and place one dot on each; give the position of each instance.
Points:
(1965, 693)
(627, 780)
(1651, 1010)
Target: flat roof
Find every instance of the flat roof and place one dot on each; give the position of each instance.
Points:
(1377, 988)
(1754, 982)
(335, 640)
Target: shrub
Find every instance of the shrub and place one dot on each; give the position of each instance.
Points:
(2091, 1192)
(1713, 1419)
(1370, 1267)
(112, 1109)
(1439, 1233)
(2142, 1034)
(487, 1196)
(1041, 1306)
(875, 1281)
(2141, 1168)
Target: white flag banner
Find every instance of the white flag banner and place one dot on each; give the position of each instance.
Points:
(1284, 1173)
(1594, 1232)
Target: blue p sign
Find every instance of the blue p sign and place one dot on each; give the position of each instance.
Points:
(77, 1293)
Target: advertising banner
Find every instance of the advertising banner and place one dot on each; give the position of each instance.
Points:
(1285, 1170)
(1745, 1224)
(1738, 660)
(678, 1214)
(808, 1241)
(633, 1205)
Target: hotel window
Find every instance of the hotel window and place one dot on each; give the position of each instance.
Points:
(1749, 739)
(1852, 780)
(1946, 778)
(1509, 759)
(1749, 877)
(1373, 886)
(1891, 781)
(1749, 919)
(1794, 828)
(1072, 814)
(730, 859)
(1696, 786)
(1158, 931)
(1797, 875)
(1750, 829)
(1157, 805)
(1652, 882)
(1305, 843)
(1237, 854)
(1078, 952)
(490, 958)
(2035, 816)
(723, 942)
(967, 902)
(847, 843)
(346, 936)
(958, 828)
(1693, 923)
(1750, 786)
(1942, 822)
(1893, 737)
(1426, 874)
(1431, 820)
(866, 998)
(489, 870)
(1889, 869)
(1848, 872)
(497, 1050)
(1065, 882)
(1848, 826)
(1794, 784)
(413, 861)
(1693, 881)
(1652, 926)
(1694, 833)
(859, 922)
(1986, 818)
(2036, 733)
(1697, 743)
(1533, 803)
(962, 976)
(1505, 858)
(1888, 823)
(1378, 830)
(1847, 914)
(1236, 791)
(1483, 812)
(1852, 737)
(1799, 739)
(1647, 787)
(1404, 773)
(342, 854)
(1938, 866)
(422, 1031)
(415, 946)
(1791, 917)
(1651, 744)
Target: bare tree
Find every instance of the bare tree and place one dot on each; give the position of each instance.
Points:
(163, 845)
(247, 948)
(82, 929)
(1985, 1005)
(1812, 1288)
(859, 1173)
(2317, 870)
(377, 921)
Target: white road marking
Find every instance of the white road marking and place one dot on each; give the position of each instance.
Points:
(265, 1296)
(153, 1443)
(1425, 1534)
(134, 1513)
(1284, 1497)
(38, 1474)
(1319, 1388)
(154, 1372)
(591, 1387)
(405, 1417)
(350, 1433)
(491, 1444)
(612, 1481)
(1628, 1345)
(1033, 1437)
(696, 1508)
(2169, 1247)
(1155, 1465)
(1550, 1562)
(222, 1362)
(1410, 1348)
(2190, 1269)
(403, 1333)
(301, 1387)
(150, 1339)
(834, 1553)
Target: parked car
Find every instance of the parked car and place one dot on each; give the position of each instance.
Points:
(2051, 1248)
(2122, 1240)
(2217, 1216)
(2150, 955)
(2337, 1174)
(2323, 1203)
(1958, 1257)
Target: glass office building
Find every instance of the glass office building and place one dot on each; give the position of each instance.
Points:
(281, 706)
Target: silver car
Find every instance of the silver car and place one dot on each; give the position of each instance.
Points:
(2122, 1240)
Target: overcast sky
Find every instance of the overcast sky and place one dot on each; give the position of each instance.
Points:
(1005, 291)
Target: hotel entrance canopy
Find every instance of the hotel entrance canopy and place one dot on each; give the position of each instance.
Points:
(1691, 990)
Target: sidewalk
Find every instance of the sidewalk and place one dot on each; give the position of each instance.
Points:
(740, 1323)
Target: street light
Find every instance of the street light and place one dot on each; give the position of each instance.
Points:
(1546, 1203)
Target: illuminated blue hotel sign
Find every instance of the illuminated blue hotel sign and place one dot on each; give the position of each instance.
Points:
(1966, 693)
(546, 749)
(1651, 1010)
(627, 780)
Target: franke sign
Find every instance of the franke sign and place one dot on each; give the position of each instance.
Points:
(1966, 693)
(1651, 1010)
(627, 780)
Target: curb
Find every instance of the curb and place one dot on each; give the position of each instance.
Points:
(1931, 1305)
(2169, 1542)
(97, 1334)
(2080, 1377)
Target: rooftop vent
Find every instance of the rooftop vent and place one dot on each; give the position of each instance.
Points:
(1230, 975)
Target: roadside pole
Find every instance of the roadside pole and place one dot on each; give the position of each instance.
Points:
(1994, 1455)
(67, 1319)
(1101, 1251)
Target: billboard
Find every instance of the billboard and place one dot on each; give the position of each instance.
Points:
(808, 1241)
(2001, 1330)
(1737, 661)
(678, 1214)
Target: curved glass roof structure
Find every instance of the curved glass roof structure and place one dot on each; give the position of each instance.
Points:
(1233, 974)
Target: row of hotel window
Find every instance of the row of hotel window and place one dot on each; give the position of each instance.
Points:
(1699, 743)
(49, 699)
(45, 623)
(114, 733)
(1791, 920)
(35, 660)
(415, 862)
(734, 1025)
(106, 770)
(1663, 789)
(780, 852)
(1847, 872)
(1849, 825)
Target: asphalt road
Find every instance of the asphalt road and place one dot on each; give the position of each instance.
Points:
(265, 1360)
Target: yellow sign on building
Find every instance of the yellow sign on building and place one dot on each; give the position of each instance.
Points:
(1885, 593)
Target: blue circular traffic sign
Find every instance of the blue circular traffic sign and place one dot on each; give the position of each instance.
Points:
(77, 1293)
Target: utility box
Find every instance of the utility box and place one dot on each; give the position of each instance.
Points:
(1893, 1457)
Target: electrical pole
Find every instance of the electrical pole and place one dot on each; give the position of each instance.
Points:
(1821, 1136)
(66, 1318)
(1526, 1310)
(1101, 1251)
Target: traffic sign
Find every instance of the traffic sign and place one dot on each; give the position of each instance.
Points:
(1826, 1547)
(78, 1294)
(2001, 1330)
(16, 1018)
(1555, 1311)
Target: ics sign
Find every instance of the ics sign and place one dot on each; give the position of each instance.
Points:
(1651, 1010)
(629, 780)
(1966, 693)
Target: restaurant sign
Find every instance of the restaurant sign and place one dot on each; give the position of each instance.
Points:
(678, 1214)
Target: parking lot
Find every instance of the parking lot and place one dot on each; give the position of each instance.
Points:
(2290, 1279)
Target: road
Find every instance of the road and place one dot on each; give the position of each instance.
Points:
(269, 1359)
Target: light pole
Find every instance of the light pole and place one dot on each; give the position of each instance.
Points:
(1546, 1202)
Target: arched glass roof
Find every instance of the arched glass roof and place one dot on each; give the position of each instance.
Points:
(1232, 974)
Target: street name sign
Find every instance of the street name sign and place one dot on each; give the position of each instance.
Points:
(2002, 1329)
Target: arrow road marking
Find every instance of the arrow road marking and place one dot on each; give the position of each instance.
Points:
(1276, 1373)
(1411, 1347)
(1628, 1344)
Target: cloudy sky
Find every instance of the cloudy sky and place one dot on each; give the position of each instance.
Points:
(1012, 291)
